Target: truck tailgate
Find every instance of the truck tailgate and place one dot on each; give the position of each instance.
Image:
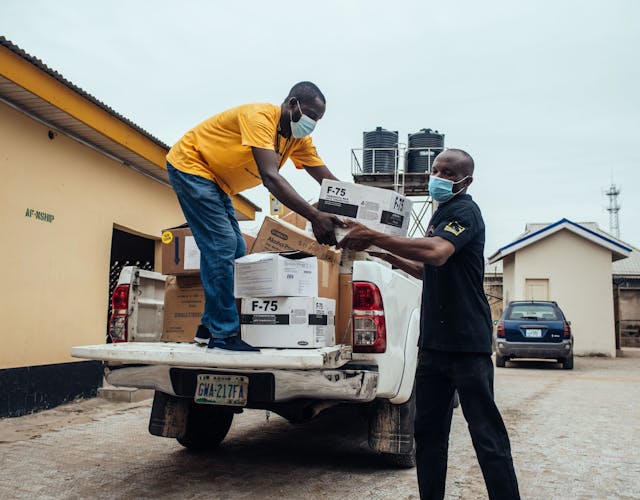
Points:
(192, 355)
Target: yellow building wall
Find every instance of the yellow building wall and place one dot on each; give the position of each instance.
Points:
(56, 273)
(579, 274)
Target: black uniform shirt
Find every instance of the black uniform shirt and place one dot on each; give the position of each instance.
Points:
(455, 312)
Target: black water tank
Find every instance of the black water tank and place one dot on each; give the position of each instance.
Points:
(380, 161)
(421, 159)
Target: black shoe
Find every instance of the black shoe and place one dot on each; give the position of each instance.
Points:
(202, 335)
(234, 343)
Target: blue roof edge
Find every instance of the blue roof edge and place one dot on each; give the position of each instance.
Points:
(562, 221)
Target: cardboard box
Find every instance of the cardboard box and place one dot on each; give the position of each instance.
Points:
(280, 236)
(288, 322)
(294, 219)
(181, 255)
(277, 236)
(183, 307)
(287, 274)
(383, 210)
(249, 241)
(328, 274)
(344, 329)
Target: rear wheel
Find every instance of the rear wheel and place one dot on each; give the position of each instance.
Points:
(401, 460)
(206, 427)
(567, 363)
(500, 361)
(391, 431)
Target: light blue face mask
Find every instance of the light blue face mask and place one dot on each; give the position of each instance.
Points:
(303, 127)
(441, 190)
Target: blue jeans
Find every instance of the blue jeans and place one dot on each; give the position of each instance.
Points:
(212, 219)
(437, 376)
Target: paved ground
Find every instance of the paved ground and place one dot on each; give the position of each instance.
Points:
(574, 434)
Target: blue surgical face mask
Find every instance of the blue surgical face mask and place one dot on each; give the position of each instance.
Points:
(303, 127)
(441, 190)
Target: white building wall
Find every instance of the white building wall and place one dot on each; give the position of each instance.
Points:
(508, 285)
(579, 274)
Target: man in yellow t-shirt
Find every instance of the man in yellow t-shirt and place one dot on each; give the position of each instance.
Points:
(232, 151)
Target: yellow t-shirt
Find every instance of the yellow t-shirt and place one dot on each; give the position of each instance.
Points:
(219, 148)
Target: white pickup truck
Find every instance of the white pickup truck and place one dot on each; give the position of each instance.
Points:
(198, 391)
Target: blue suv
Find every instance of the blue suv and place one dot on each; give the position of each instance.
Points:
(534, 329)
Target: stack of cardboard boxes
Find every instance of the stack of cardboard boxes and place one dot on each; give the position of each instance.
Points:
(297, 306)
(184, 294)
(281, 306)
(294, 292)
(278, 251)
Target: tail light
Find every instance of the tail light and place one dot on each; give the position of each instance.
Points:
(567, 331)
(369, 328)
(500, 329)
(118, 319)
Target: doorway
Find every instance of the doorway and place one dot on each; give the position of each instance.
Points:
(536, 289)
(128, 249)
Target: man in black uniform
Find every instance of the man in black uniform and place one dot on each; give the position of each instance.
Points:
(455, 330)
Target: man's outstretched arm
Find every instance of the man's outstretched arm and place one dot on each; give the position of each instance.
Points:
(320, 173)
(434, 251)
(322, 223)
(411, 267)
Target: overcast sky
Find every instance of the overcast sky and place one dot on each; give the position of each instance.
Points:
(545, 95)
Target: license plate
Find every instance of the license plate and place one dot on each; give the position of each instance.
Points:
(227, 390)
(533, 332)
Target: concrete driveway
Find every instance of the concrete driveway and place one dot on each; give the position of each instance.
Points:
(574, 434)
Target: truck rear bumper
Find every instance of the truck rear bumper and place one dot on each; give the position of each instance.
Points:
(268, 385)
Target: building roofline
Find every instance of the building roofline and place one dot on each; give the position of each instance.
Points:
(54, 74)
(617, 248)
(33, 76)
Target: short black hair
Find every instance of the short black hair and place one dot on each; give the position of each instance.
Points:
(466, 162)
(306, 92)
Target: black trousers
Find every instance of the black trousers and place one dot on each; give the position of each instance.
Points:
(437, 376)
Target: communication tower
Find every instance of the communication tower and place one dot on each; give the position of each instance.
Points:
(385, 163)
(613, 209)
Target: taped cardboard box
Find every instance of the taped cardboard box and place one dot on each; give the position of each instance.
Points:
(383, 210)
(278, 236)
(184, 304)
(294, 219)
(286, 274)
(183, 307)
(328, 274)
(249, 241)
(288, 322)
(180, 253)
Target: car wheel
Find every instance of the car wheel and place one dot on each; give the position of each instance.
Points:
(401, 460)
(500, 361)
(391, 429)
(567, 363)
(207, 426)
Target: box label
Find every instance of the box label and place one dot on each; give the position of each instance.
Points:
(391, 219)
(191, 253)
(264, 319)
(318, 319)
(338, 208)
(167, 237)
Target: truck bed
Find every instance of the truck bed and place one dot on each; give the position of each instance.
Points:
(192, 355)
